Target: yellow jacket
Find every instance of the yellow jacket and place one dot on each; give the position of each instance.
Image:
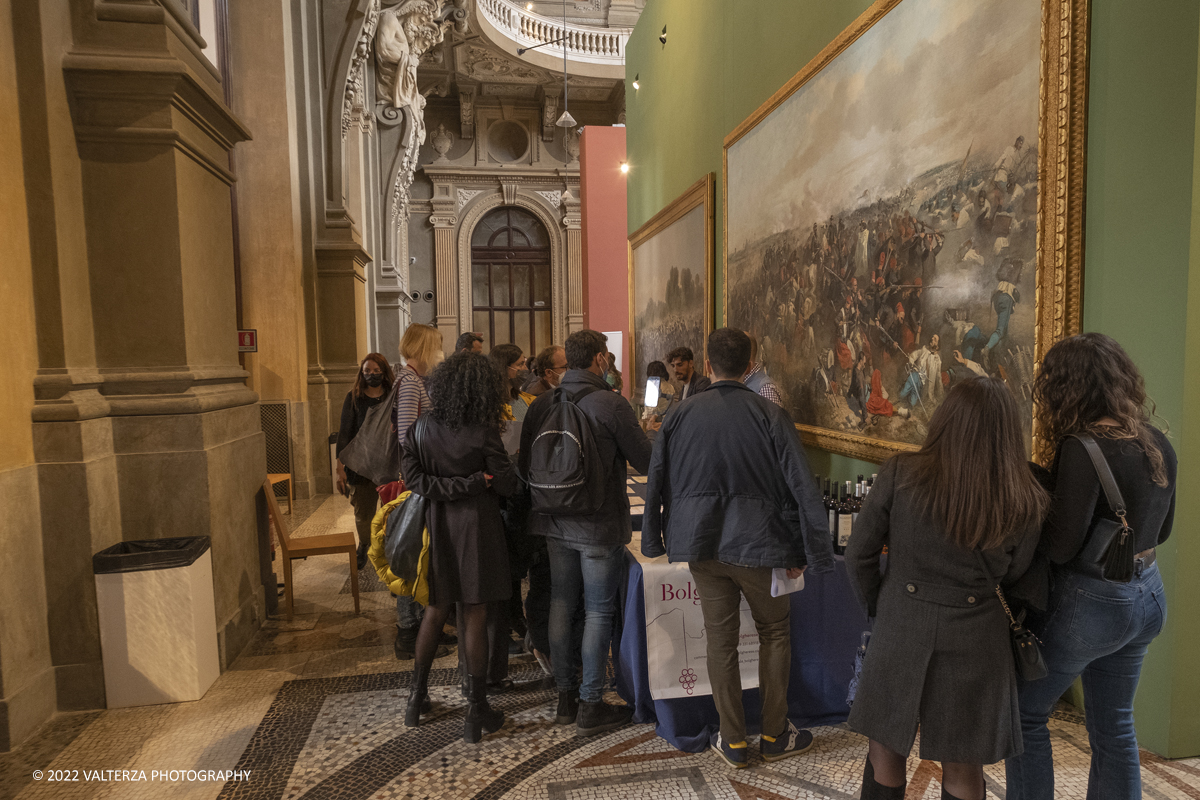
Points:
(418, 589)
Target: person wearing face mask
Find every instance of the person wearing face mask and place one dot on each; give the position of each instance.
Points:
(507, 358)
(550, 366)
(373, 381)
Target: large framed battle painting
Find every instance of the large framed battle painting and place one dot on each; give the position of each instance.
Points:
(907, 212)
(671, 269)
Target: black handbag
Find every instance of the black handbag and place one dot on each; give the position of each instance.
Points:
(1110, 551)
(404, 536)
(1026, 653)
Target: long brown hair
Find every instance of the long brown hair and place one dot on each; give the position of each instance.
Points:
(1087, 378)
(971, 475)
(504, 356)
(388, 377)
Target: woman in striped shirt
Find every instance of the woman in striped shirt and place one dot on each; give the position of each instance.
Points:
(421, 349)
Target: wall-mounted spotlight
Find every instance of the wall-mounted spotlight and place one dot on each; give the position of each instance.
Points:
(662, 37)
(624, 167)
(428, 297)
(416, 297)
(636, 84)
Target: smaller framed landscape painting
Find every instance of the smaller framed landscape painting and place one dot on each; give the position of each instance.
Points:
(671, 282)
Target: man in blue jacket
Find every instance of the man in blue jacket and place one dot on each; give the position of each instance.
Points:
(587, 551)
(730, 492)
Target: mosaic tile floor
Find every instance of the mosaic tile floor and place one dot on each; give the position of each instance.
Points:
(313, 709)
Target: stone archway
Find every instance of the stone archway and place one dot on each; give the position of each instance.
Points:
(476, 211)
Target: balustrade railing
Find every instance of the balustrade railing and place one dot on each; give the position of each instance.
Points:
(583, 43)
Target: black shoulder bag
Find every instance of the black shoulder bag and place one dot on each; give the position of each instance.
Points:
(1026, 653)
(405, 534)
(1110, 551)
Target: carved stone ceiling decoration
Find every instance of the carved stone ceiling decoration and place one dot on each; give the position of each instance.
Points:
(473, 62)
(485, 64)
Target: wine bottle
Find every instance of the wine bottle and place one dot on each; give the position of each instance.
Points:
(858, 502)
(831, 510)
(845, 520)
(858, 487)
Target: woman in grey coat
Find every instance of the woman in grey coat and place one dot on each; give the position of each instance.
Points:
(957, 516)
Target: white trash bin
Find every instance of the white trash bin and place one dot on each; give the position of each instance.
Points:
(158, 627)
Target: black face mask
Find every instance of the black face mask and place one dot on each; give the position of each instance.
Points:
(373, 379)
(518, 380)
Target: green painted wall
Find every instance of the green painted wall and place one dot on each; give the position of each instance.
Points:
(724, 58)
(1141, 211)
(721, 62)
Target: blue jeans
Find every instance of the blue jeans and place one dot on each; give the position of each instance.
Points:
(409, 612)
(595, 572)
(1099, 630)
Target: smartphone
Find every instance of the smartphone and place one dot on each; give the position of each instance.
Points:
(652, 386)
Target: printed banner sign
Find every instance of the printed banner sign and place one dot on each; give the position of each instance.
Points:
(676, 643)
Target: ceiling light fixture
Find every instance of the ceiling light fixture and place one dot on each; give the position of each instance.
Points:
(566, 120)
(636, 85)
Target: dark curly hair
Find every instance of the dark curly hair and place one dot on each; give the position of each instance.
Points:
(1087, 378)
(466, 390)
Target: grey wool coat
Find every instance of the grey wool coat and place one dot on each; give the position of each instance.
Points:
(940, 656)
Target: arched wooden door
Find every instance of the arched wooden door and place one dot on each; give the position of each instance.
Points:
(510, 280)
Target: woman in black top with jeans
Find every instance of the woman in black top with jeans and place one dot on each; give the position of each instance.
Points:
(1092, 627)
(373, 381)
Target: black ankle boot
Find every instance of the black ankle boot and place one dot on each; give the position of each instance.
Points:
(481, 717)
(568, 707)
(947, 796)
(418, 696)
(873, 790)
(600, 717)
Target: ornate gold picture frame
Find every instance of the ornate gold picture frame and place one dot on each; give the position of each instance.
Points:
(668, 257)
(991, 188)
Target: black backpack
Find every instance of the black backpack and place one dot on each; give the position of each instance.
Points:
(565, 474)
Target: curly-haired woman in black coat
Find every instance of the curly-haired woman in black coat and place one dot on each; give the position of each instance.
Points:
(454, 457)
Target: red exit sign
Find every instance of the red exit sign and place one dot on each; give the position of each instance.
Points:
(248, 341)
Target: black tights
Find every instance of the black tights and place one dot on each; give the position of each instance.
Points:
(961, 780)
(472, 633)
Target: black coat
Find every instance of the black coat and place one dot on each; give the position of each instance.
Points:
(940, 653)
(469, 557)
(619, 438)
(729, 480)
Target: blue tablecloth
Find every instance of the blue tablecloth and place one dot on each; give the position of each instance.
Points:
(826, 627)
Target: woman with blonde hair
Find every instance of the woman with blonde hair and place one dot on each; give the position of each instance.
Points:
(421, 350)
(1092, 404)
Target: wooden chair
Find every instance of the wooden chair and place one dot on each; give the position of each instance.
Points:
(277, 478)
(309, 546)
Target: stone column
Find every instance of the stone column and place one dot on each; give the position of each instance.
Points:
(341, 341)
(27, 691)
(444, 220)
(153, 139)
(270, 211)
(573, 221)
